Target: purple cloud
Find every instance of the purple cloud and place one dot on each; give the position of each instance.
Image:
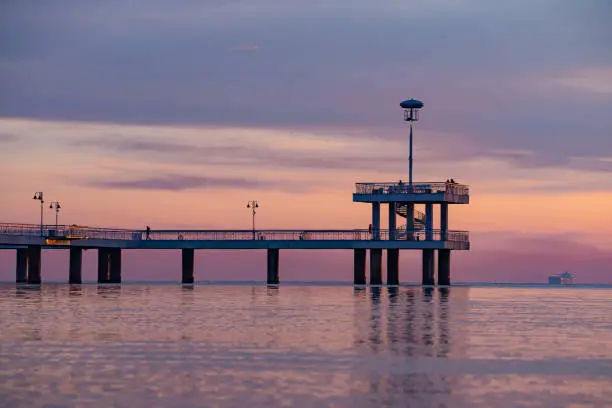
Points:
(176, 182)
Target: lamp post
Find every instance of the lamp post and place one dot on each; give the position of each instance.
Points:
(411, 114)
(58, 206)
(39, 196)
(253, 205)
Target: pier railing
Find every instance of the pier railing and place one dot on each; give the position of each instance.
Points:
(80, 232)
(416, 188)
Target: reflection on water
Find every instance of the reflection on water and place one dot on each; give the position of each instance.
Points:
(257, 346)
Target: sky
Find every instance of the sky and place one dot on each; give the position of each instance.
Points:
(174, 114)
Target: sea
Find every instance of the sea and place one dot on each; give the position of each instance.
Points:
(304, 345)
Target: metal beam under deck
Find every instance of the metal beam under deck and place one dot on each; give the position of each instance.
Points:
(271, 244)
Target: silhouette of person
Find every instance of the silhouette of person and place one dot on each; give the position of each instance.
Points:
(148, 237)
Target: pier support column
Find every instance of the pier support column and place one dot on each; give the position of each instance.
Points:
(410, 222)
(359, 264)
(392, 267)
(428, 221)
(376, 221)
(273, 254)
(188, 263)
(375, 266)
(115, 265)
(444, 221)
(444, 267)
(76, 266)
(34, 265)
(392, 223)
(21, 272)
(103, 265)
(428, 267)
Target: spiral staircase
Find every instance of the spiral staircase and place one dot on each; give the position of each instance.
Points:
(401, 209)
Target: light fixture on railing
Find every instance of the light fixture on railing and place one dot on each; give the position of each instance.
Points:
(39, 196)
(253, 205)
(57, 205)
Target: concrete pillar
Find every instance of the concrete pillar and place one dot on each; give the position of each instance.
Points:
(443, 221)
(34, 265)
(188, 263)
(428, 267)
(375, 266)
(21, 272)
(75, 275)
(392, 266)
(428, 222)
(392, 219)
(273, 255)
(103, 265)
(359, 264)
(444, 267)
(376, 221)
(410, 222)
(115, 265)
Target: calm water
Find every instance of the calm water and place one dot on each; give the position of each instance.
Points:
(305, 346)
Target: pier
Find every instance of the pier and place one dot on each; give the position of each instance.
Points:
(417, 234)
(412, 202)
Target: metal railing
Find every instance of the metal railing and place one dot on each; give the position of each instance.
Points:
(80, 232)
(417, 188)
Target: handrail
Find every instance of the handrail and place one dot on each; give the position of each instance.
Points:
(77, 232)
(417, 188)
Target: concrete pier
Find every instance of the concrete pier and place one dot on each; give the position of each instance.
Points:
(444, 221)
(444, 267)
(75, 275)
(273, 266)
(428, 267)
(188, 265)
(392, 219)
(428, 221)
(21, 272)
(376, 221)
(109, 265)
(34, 265)
(375, 266)
(103, 265)
(393, 267)
(359, 264)
(115, 265)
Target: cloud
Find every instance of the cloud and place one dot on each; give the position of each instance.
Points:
(471, 62)
(247, 153)
(7, 138)
(176, 182)
(246, 47)
(596, 80)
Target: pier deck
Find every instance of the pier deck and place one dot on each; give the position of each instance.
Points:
(12, 235)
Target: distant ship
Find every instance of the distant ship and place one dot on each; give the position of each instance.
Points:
(564, 278)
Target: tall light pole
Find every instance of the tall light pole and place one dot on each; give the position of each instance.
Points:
(58, 206)
(411, 114)
(39, 196)
(253, 205)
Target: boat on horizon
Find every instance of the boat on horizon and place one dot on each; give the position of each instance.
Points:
(564, 278)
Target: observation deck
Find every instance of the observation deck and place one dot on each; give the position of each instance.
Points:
(418, 193)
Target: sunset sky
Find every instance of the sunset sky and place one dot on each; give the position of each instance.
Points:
(176, 113)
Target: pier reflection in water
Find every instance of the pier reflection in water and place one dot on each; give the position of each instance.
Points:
(258, 346)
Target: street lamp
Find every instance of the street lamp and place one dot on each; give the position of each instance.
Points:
(39, 196)
(253, 205)
(57, 205)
